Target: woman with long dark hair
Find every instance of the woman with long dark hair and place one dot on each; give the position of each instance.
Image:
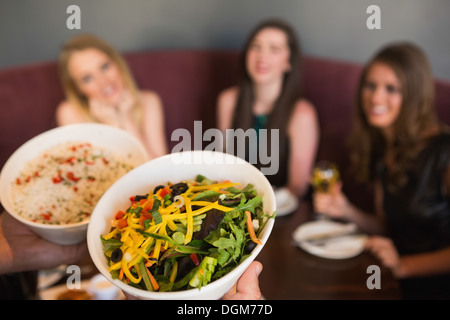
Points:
(268, 96)
(400, 146)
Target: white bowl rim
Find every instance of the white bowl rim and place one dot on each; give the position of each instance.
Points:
(183, 294)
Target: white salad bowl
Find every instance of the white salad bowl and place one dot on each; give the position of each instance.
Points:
(114, 139)
(177, 167)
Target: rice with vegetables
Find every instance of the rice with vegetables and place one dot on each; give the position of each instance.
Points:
(63, 184)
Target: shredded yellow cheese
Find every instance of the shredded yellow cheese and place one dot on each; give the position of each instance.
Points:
(190, 221)
(135, 244)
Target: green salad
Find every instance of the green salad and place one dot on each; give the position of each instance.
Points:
(184, 235)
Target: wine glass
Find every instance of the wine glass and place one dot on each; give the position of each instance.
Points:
(324, 176)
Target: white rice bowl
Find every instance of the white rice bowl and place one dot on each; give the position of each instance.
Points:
(53, 190)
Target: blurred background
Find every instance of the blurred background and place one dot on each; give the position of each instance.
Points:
(33, 31)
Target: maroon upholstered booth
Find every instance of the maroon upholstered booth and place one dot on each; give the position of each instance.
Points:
(188, 83)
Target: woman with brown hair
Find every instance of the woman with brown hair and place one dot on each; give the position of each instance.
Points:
(269, 96)
(400, 146)
(99, 87)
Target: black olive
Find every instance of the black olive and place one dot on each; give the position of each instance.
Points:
(157, 188)
(116, 255)
(249, 246)
(185, 265)
(179, 188)
(139, 198)
(210, 223)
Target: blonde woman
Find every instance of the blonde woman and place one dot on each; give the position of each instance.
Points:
(99, 87)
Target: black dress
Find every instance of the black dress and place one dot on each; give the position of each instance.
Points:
(268, 157)
(418, 216)
(280, 176)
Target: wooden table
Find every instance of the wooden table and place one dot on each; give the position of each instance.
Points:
(291, 273)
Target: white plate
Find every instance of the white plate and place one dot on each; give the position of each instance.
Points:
(340, 248)
(48, 277)
(286, 201)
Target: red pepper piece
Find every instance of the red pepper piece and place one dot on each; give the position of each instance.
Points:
(119, 215)
(71, 176)
(166, 190)
(195, 259)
